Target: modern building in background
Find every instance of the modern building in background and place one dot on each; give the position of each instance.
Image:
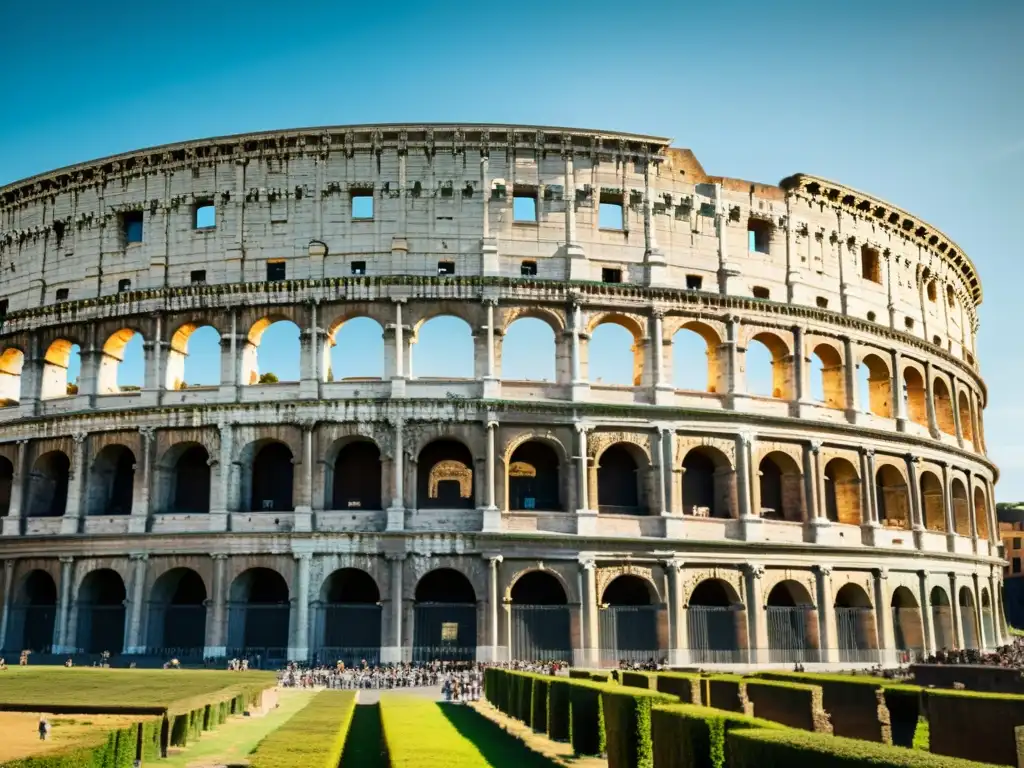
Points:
(404, 517)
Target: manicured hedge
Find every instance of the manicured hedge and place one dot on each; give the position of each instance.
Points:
(539, 715)
(524, 695)
(759, 748)
(973, 725)
(579, 674)
(729, 692)
(688, 736)
(685, 686)
(586, 718)
(114, 749)
(794, 704)
(627, 721)
(639, 680)
(312, 738)
(558, 708)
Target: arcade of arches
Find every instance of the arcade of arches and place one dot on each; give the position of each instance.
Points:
(308, 606)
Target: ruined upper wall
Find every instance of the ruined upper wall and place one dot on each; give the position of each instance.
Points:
(444, 194)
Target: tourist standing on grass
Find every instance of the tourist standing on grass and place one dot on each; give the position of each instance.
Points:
(44, 728)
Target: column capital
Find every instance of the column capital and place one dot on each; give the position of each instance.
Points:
(399, 300)
(79, 437)
(582, 428)
(396, 557)
(219, 555)
(493, 560)
(824, 570)
(746, 438)
(868, 452)
(489, 301)
(302, 556)
(9, 565)
(23, 441)
(754, 570)
(588, 563)
(137, 557)
(492, 424)
(814, 445)
(881, 573)
(147, 433)
(67, 560)
(673, 565)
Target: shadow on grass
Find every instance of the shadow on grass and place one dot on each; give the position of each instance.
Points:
(499, 748)
(364, 745)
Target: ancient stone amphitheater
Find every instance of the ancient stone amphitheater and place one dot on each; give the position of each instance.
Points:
(404, 517)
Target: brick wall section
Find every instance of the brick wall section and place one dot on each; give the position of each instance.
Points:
(975, 726)
(792, 704)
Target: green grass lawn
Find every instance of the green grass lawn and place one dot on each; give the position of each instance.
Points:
(39, 686)
(427, 734)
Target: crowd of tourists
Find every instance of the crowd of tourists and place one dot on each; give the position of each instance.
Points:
(459, 680)
(1011, 655)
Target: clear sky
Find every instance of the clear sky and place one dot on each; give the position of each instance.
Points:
(920, 103)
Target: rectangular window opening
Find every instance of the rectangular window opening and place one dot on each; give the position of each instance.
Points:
(362, 204)
(611, 275)
(909, 323)
(197, 276)
(4, 303)
(821, 302)
(524, 205)
(694, 282)
(528, 269)
(759, 235)
(124, 285)
(1016, 565)
(276, 271)
(62, 294)
(870, 264)
(131, 227)
(358, 267)
(205, 215)
(445, 268)
(610, 211)
(760, 292)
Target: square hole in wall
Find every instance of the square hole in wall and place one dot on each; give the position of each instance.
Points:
(821, 302)
(4, 303)
(276, 271)
(871, 317)
(694, 282)
(528, 269)
(609, 275)
(131, 227)
(870, 264)
(197, 276)
(909, 323)
(358, 267)
(362, 204)
(124, 285)
(759, 235)
(610, 211)
(204, 215)
(524, 205)
(445, 268)
(760, 292)
(62, 294)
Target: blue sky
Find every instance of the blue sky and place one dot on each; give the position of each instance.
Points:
(920, 103)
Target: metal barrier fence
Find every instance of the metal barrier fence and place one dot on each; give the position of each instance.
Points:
(350, 657)
(30, 628)
(713, 636)
(630, 633)
(852, 634)
(347, 625)
(265, 657)
(176, 626)
(541, 632)
(444, 631)
(258, 625)
(788, 639)
(100, 627)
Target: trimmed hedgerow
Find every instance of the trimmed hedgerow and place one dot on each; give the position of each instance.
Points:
(314, 737)
(586, 718)
(989, 718)
(558, 708)
(600, 677)
(524, 703)
(685, 686)
(794, 704)
(729, 692)
(579, 674)
(539, 713)
(627, 722)
(758, 748)
(639, 680)
(688, 736)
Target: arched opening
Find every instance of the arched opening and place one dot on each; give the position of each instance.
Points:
(943, 407)
(12, 361)
(271, 353)
(932, 505)
(908, 628)
(444, 476)
(914, 396)
(540, 618)
(969, 620)
(61, 366)
(695, 358)
(272, 478)
(444, 623)
(768, 368)
(875, 386)
(619, 483)
(259, 614)
(533, 473)
(632, 623)
(194, 358)
(355, 351)
(961, 508)
(781, 486)
(981, 513)
(856, 632)
(48, 485)
(707, 483)
(177, 615)
(892, 497)
(33, 615)
(443, 349)
(6, 485)
(942, 620)
(988, 624)
(190, 491)
(528, 351)
(100, 610)
(842, 492)
(122, 363)
(966, 425)
(615, 353)
(828, 382)
(357, 477)
(716, 623)
(112, 481)
(349, 619)
(792, 624)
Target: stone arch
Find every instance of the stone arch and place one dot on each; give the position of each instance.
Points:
(908, 628)
(631, 325)
(12, 362)
(457, 360)
(629, 589)
(832, 375)
(842, 492)
(988, 625)
(445, 476)
(33, 614)
(876, 386)
(780, 488)
(533, 473)
(856, 630)
(620, 479)
(933, 506)
(538, 586)
(716, 622)
(792, 623)
(915, 395)
(6, 486)
(112, 481)
(348, 617)
(100, 612)
(177, 614)
(348, 585)
(270, 473)
(969, 619)
(445, 616)
(48, 485)
(178, 353)
(541, 620)
(707, 482)
(184, 479)
(371, 343)
(633, 625)
(943, 406)
(259, 613)
(966, 423)
(981, 513)
(112, 355)
(529, 354)
(892, 497)
(553, 319)
(355, 475)
(249, 364)
(56, 362)
(942, 619)
(711, 342)
(961, 508)
(782, 385)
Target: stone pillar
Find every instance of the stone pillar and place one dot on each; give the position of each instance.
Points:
(18, 510)
(492, 382)
(899, 405)
(230, 352)
(226, 486)
(933, 424)
(954, 609)
(678, 643)
(134, 642)
(497, 652)
(997, 608)
(311, 356)
(654, 258)
(745, 474)
(304, 502)
(850, 381)
(883, 618)
(488, 244)
(591, 638)
(799, 374)
(396, 512)
(6, 606)
(76, 486)
(142, 501)
(663, 390)
(398, 381)
(975, 539)
(954, 402)
(664, 438)
(916, 518)
(927, 619)
(947, 504)
(216, 632)
(62, 643)
(578, 268)
(726, 269)
(827, 634)
(979, 620)
(392, 652)
(586, 518)
(580, 387)
(299, 650)
(815, 500)
(491, 513)
(757, 624)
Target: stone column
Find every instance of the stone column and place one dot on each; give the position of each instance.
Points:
(850, 381)
(491, 513)
(227, 502)
(678, 643)
(757, 623)
(815, 498)
(76, 486)
(492, 382)
(5, 613)
(591, 636)
(579, 386)
(979, 619)
(392, 652)
(664, 437)
(735, 384)
(954, 609)
(827, 634)
(958, 428)
(883, 618)
(398, 381)
(927, 619)
(142, 501)
(62, 642)
(135, 644)
(586, 518)
(745, 478)
(972, 512)
(656, 267)
(229, 359)
(997, 608)
(663, 390)
(304, 502)
(899, 405)
(578, 269)
(493, 610)
(217, 622)
(916, 519)
(299, 650)
(799, 393)
(17, 510)
(311, 357)
(947, 504)
(933, 424)
(396, 512)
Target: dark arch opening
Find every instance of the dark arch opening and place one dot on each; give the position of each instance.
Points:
(444, 476)
(699, 484)
(711, 592)
(444, 623)
(177, 614)
(792, 625)
(351, 585)
(540, 618)
(942, 620)
(260, 612)
(445, 585)
(533, 477)
(357, 479)
(6, 484)
(771, 489)
(618, 482)
(48, 485)
(842, 492)
(101, 612)
(111, 481)
(716, 623)
(192, 481)
(632, 626)
(537, 588)
(627, 590)
(272, 477)
(856, 631)
(350, 618)
(34, 614)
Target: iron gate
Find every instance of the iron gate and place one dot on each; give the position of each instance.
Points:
(541, 633)
(30, 628)
(788, 641)
(988, 627)
(100, 628)
(445, 631)
(258, 626)
(348, 632)
(942, 621)
(970, 627)
(852, 636)
(713, 634)
(629, 633)
(906, 628)
(180, 628)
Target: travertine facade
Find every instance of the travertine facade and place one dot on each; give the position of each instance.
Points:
(315, 517)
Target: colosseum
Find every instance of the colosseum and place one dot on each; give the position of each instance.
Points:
(843, 516)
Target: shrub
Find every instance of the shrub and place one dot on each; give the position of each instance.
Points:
(754, 748)
(627, 722)
(600, 677)
(558, 708)
(729, 692)
(579, 674)
(524, 704)
(794, 704)
(988, 718)
(639, 680)
(688, 736)
(312, 738)
(586, 718)
(686, 687)
(539, 715)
